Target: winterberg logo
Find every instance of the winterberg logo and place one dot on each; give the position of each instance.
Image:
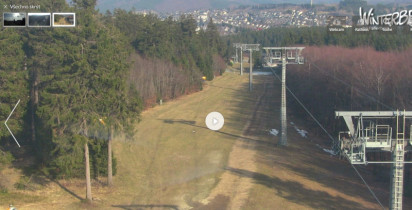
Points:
(397, 18)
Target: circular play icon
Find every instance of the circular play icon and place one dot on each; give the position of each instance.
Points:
(214, 121)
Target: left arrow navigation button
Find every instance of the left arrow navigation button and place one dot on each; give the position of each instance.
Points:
(5, 123)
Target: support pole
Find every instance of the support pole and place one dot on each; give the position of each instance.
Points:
(237, 57)
(87, 165)
(279, 55)
(241, 61)
(283, 138)
(250, 47)
(251, 70)
(398, 157)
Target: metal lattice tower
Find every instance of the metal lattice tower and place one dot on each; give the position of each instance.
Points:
(241, 47)
(398, 167)
(284, 56)
(250, 48)
(241, 61)
(369, 135)
(237, 46)
(283, 120)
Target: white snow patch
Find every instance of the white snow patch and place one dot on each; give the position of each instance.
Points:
(264, 73)
(274, 132)
(331, 152)
(302, 132)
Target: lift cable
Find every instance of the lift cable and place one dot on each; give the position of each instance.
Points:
(330, 136)
(366, 184)
(334, 142)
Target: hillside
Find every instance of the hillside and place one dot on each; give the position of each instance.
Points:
(175, 162)
(77, 86)
(90, 115)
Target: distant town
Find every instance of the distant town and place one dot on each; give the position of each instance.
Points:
(261, 17)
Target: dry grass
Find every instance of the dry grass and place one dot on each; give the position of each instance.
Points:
(175, 162)
(246, 66)
(176, 159)
(61, 20)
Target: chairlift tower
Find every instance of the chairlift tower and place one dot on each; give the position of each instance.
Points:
(283, 55)
(240, 47)
(251, 48)
(368, 133)
(237, 46)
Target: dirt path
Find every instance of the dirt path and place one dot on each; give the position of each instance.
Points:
(235, 184)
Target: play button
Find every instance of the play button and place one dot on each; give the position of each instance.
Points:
(214, 121)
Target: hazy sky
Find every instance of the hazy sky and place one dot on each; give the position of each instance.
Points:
(14, 16)
(183, 5)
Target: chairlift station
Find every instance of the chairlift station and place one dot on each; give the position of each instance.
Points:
(378, 131)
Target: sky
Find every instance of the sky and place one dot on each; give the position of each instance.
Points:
(13, 16)
(183, 5)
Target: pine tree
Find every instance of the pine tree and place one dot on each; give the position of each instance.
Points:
(13, 84)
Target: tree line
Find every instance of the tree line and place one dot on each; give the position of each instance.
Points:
(178, 41)
(352, 79)
(73, 91)
(173, 53)
(349, 71)
(319, 36)
(341, 79)
(79, 87)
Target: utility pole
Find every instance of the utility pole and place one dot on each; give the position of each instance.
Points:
(368, 135)
(283, 55)
(250, 48)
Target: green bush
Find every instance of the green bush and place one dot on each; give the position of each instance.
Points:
(5, 159)
(22, 184)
